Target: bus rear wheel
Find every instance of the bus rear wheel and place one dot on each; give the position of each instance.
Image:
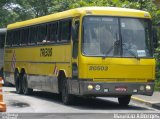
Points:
(124, 101)
(18, 83)
(67, 98)
(26, 90)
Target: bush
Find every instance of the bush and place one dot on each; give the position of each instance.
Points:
(157, 85)
(157, 82)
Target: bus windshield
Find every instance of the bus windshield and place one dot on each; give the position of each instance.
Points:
(116, 37)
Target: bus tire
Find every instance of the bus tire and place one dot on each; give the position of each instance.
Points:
(26, 90)
(67, 99)
(18, 83)
(124, 101)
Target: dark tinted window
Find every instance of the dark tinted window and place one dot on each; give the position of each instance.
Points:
(2, 39)
(65, 30)
(10, 37)
(24, 33)
(32, 35)
(42, 33)
(52, 32)
(39, 34)
(8, 42)
(17, 37)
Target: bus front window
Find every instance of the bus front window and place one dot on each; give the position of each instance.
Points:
(135, 37)
(116, 37)
(100, 36)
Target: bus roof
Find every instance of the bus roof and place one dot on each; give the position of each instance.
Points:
(110, 11)
(3, 30)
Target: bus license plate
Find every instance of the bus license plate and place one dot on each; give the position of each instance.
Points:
(121, 89)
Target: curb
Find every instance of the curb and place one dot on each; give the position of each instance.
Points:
(154, 105)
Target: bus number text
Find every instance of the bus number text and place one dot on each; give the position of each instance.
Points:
(98, 68)
(46, 52)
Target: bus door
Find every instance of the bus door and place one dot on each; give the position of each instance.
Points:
(75, 47)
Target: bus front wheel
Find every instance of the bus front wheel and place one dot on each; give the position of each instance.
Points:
(124, 101)
(26, 90)
(67, 99)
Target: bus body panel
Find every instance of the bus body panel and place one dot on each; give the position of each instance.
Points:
(41, 64)
(112, 69)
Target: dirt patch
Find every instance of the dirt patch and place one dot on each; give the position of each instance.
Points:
(18, 104)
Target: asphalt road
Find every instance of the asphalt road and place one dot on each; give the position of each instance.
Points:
(48, 105)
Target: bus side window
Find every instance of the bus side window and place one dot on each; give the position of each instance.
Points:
(49, 32)
(15, 38)
(33, 35)
(42, 34)
(23, 36)
(52, 32)
(26, 36)
(2, 37)
(8, 41)
(65, 30)
(11, 38)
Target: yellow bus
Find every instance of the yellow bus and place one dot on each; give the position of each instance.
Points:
(88, 51)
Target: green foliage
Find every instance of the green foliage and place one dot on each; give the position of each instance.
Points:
(18, 10)
(157, 56)
(157, 85)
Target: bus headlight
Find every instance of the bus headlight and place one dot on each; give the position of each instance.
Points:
(90, 87)
(148, 87)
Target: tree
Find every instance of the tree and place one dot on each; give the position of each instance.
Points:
(18, 10)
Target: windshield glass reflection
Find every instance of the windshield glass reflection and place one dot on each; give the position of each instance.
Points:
(102, 36)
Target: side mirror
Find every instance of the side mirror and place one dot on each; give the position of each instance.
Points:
(155, 38)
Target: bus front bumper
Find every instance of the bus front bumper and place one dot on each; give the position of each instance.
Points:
(88, 88)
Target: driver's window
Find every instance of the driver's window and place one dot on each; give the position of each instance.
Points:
(75, 38)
